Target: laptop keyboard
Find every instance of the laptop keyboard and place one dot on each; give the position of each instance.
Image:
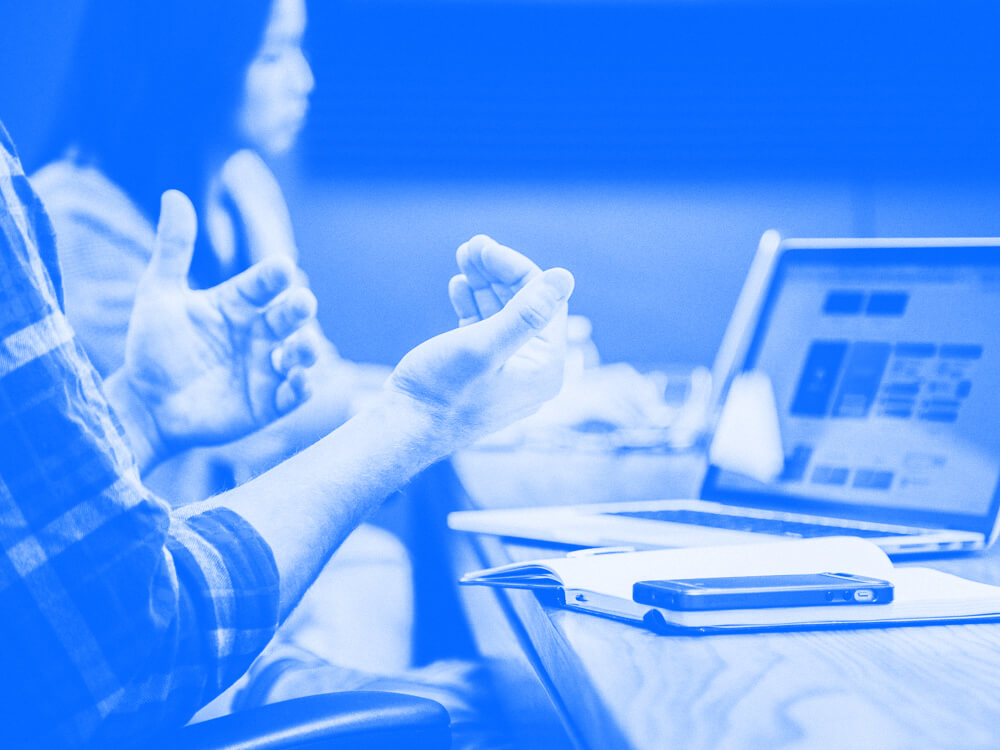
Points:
(760, 525)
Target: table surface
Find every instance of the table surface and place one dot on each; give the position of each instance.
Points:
(615, 685)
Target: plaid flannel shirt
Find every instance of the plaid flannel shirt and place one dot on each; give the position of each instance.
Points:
(117, 621)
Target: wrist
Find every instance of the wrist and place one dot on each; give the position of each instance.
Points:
(417, 426)
(140, 427)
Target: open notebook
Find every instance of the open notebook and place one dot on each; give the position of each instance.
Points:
(602, 584)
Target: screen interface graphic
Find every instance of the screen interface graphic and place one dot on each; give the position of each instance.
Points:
(887, 381)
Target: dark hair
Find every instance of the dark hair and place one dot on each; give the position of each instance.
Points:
(154, 89)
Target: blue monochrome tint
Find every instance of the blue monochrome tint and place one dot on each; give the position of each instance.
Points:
(319, 316)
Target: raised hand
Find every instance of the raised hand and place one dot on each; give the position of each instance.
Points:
(505, 359)
(211, 366)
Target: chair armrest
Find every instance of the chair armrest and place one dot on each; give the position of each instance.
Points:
(348, 720)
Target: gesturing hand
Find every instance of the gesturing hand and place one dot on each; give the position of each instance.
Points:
(504, 360)
(211, 366)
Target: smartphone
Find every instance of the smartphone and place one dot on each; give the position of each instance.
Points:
(751, 592)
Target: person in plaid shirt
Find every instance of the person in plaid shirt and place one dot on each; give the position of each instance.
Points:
(114, 615)
(120, 619)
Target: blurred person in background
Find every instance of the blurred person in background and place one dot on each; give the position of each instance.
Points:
(185, 95)
(134, 124)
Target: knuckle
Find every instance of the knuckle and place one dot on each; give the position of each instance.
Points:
(278, 360)
(303, 300)
(273, 276)
(302, 388)
(275, 317)
(533, 316)
(307, 353)
(287, 320)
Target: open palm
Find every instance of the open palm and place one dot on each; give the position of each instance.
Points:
(213, 365)
(506, 358)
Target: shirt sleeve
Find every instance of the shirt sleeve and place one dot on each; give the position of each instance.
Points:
(118, 620)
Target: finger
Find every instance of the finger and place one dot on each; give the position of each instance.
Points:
(261, 283)
(503, 292)
(470, 262)
(293, 391)
(290, 312)
(529, 312)
(460, 294)
(487, 301)
(296, 351)
(175, 235)
(507, 268)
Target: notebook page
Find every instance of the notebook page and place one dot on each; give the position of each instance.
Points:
(943, 593)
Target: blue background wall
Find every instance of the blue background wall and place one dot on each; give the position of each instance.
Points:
(644, 145)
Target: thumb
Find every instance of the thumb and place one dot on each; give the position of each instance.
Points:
(175, 236)
(529, 311)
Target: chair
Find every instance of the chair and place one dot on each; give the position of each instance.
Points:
(345, 721)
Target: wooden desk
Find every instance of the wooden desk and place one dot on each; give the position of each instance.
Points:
(617, 686)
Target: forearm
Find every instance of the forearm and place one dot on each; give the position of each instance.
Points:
(327, 409)
(305, 507)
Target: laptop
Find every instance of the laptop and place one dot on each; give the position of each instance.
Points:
(884, 360)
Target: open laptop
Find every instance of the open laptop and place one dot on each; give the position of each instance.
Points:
(884, 358)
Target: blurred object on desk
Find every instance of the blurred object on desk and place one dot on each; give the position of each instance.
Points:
(532, 477)
(581, 352)
(747, 439)
(613, 407)
(613, 433)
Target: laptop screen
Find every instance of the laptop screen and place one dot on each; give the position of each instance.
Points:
(885, 364)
